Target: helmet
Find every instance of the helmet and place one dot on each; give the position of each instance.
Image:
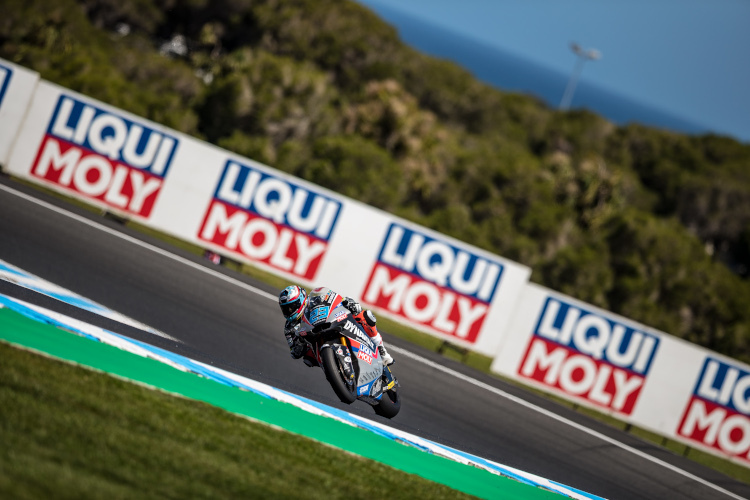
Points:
(292, 301)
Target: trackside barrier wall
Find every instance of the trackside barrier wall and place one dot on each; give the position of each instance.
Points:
(637, 374)
(17, 85)
(253, 213)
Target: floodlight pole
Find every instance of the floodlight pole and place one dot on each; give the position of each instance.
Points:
(582, 55)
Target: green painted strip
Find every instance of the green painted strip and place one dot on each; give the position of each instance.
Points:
(18, 329)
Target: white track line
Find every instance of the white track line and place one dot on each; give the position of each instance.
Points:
(26, 280)
(140, 243)
(403, 352)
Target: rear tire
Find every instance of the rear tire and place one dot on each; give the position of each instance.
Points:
(335, 376)
(390, 404)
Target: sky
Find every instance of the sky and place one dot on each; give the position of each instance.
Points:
(690, 58)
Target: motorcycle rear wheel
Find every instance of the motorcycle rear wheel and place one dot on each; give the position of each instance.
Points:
(390, 404)
(335, 376)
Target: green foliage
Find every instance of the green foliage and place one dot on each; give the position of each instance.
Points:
(581, 271)
(142, 15)
(341, 37)
(355, 167)
(56, 39)
(664, 277)
(645, 222)
(263, 94)
(256, 147)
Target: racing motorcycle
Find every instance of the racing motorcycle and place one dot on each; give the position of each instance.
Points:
(349, 358)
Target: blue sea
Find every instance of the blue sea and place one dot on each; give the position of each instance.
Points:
(511, 73)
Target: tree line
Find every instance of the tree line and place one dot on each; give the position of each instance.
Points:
(648, 223)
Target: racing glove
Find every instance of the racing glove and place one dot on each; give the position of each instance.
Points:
(297, 346)
(297, 350)
(352, 305)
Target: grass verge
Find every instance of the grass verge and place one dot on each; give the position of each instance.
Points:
(70, 432)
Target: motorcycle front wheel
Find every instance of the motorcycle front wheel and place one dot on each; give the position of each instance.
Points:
(335, 376)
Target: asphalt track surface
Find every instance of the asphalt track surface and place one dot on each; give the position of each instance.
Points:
(220, 319)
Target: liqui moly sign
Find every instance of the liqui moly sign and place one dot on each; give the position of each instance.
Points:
(718, 413)
(102, 155)
(429, 281)
(269, 219)
(588, 355)
(5, 74)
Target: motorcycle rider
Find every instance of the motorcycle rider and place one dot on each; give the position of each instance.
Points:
(293, 301)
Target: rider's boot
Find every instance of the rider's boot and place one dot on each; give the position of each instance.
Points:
(387, 358)
(310, 361)
(309, 358)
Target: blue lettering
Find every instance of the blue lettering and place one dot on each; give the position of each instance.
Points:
(725, 384)
(597, 336)
(5, 75)
(441, 263)
(113, 136)
(278, 200)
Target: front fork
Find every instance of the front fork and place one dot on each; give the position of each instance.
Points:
(390, 380)
(343, 352)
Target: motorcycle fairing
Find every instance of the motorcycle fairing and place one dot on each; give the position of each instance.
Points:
(318, 314)
(369, 373)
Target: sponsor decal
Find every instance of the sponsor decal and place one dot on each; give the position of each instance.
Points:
(270, 220)
(588, 355)
(369, 375)
(365, 341)
(340, 316)
(318, 314)
(433, 283)
(351, 327)
(718, 413)
(5, 75)
(364, 357)
(330, 297)
(102, 155)
(367, 350)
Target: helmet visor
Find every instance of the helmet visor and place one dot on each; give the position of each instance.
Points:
(290, 308)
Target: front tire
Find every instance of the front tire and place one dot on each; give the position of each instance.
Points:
(335, 376)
